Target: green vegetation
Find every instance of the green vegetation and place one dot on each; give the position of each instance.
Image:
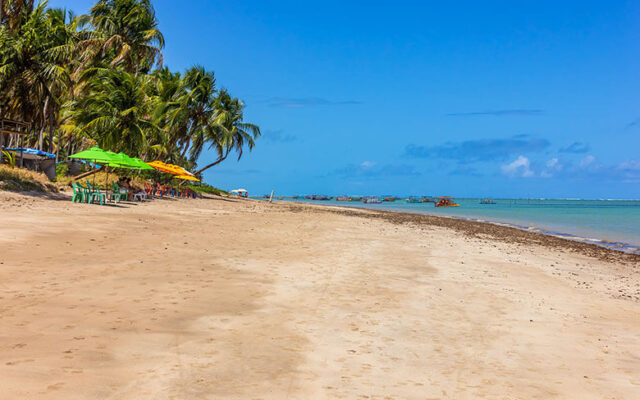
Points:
(98, 79)
(9, 158)
(205, 188)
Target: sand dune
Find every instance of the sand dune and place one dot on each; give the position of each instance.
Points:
(233, 299)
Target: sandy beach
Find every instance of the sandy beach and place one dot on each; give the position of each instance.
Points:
(222, 298)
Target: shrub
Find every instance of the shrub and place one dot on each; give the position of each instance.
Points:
(205, 188)
(23, 180)
(9, 158)
(62, 170)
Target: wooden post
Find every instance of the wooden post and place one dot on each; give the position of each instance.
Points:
(1, 121)
(271, 197)
(21, 150)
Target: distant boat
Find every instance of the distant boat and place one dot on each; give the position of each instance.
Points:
(487, 201)
(319, 197)
(445, 201)
(355, 198)
(342, 198)
(416, 199)
(372, 200)
(389, 198)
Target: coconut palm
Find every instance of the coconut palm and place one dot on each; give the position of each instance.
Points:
(125, 34)
(33, 73)
(228, 132)
(12, 12)
(89, 80)
(115, 112)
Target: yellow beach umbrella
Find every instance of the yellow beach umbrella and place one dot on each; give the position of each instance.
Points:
(187, 177)
(169, 168)
(184, 171)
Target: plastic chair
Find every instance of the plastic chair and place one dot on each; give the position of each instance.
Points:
(121, 191)
(78, 193)
(95, 192)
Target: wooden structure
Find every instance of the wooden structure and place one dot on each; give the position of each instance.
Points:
(11, 127)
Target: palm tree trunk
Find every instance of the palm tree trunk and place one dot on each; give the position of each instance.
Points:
(44, 123)
(41, 139)
(218, 161)
(93, 171)
(186, 147)
(59, 144)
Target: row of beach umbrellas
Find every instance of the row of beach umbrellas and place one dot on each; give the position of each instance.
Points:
(121, 160)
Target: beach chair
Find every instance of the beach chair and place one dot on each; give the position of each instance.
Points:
(96, 193)
(121, 191)
(140, 196)
(148, 189)
(86, 198)
(78, 193)
(86, 194)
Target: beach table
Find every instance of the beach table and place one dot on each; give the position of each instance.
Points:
(113, 196)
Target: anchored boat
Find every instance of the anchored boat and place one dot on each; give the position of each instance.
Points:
(416, 199)
(487, 201)
(445, 201)
(372, 200)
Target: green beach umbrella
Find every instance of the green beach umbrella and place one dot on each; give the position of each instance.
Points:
(95, 154)
(133, 162)
(121, 160)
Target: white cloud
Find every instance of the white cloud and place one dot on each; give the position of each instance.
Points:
(630, 165)
(588, 160)
(368, 164)
(553, 165)
(521, 167)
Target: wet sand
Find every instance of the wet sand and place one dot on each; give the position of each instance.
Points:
(238, 299)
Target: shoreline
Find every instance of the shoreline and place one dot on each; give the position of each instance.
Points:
(618, 247)
(500, 231)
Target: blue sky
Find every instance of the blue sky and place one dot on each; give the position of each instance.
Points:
(496, 98)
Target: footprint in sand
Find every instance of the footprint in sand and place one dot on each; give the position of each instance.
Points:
(55, 386)
(16, 362)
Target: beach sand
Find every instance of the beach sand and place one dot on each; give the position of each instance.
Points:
(238, 299)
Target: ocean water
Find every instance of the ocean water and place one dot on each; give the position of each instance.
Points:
(610, 223)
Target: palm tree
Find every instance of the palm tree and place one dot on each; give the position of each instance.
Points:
(165, 91)
(197, 106)
(89, 79)
(125, 34)
(115, 113)
(33, 74)
(12, 12)
(229, 132)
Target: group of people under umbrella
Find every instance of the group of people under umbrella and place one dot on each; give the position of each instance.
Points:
(120, 160)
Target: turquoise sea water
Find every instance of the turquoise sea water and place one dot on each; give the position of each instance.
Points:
(611, 223)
